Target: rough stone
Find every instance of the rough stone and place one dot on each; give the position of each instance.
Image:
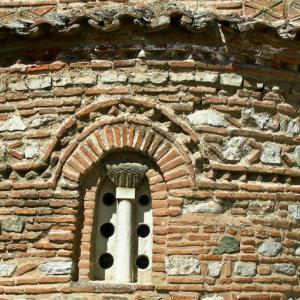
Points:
(270, 248)
(112, 77)
(297, 252)
(210, 206)
(261, 208)
(286, 269)
(139, 78)
(2, 87)
(13, 225)
(246, 269)
(182, 265)
(15, 123)
(271, 154)
(3, 152)
(6, 270)
(235, 149)
(41, 121)
(208, 117)
(227, 244)
(291, 127)
(88, 79)
(61, 80)
(38, 82)
(261, 120)
(233, 80)
(57, 267)
(294, 211)
(297, 156)
(158, 77)
(18, 86)
(214, 268)
(207, 77)
(31, 151)
(212, 297)
(181, 77)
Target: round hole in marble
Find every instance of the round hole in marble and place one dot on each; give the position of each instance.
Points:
(107, 229)
(144, 200)
(109, 199)
(106, 260)
(143, 230)
(142, 262)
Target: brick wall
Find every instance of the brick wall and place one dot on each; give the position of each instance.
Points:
(217, 118)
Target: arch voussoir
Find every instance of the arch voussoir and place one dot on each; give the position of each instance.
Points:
(176, 171)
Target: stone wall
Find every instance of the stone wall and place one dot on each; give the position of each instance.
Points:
(216, 114)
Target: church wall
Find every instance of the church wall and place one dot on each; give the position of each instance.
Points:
(208, 102)
(226, 180)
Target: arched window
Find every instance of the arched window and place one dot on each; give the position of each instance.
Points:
(123, 233)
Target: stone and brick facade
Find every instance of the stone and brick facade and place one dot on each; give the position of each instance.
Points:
(208, 97)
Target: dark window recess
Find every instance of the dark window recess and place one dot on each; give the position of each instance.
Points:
(142, 262)
(144, 200)
(107, 230)
(143, 230)
(106, 260)
(109, 199)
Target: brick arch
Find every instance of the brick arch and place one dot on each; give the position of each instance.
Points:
(172, 177)
(86, 111)
(172, 162)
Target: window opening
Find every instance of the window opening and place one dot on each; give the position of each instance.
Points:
(123, 240)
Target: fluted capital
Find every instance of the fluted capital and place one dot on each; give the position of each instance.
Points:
(127, 175)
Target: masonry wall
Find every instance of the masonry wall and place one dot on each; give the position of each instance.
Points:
(215, 118)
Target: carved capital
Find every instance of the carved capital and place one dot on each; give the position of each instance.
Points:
(126, 174)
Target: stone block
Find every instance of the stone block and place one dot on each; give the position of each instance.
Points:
(214, 268)
(38, 82)
(182, 265)
(227, 244)
(285, 269)
(13, 225)
(294, 211)
(270, 248)
(203, 207)
(18, 86)
(3, 152)
(61, 80)
(2, 87)
(31, 151)
(235, 149)
(297, 156)
(7, 270)
(208, 117)
(113, 77)
(212, 297)
(57, 267)
(15, 123)
(229, 79)
(246, 269)
(291, 127)
(42, 121)
(182, 77)
(152, 77)
(138, 78)
(261, 120)
(271, 154)
(207, 77)
(158, 77)
(83, 79)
